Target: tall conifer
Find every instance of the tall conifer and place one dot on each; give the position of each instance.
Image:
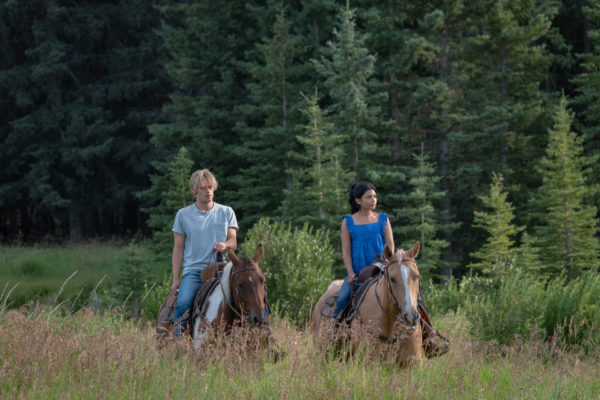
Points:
(318, 193)
(267, 133)
(83, 83)
(347, 67)
(421, 215)
(206, 42)
(497, 252)
(568, 227)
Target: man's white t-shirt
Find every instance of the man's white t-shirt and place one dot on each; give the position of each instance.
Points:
(202, 230)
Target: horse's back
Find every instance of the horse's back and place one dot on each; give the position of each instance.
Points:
(318, 317)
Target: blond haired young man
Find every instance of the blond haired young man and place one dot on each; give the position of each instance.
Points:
(199, 230)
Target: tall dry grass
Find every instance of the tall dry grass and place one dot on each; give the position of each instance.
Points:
(88, 356)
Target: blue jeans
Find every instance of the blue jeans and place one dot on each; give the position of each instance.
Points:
(190, 284)
(346, 292)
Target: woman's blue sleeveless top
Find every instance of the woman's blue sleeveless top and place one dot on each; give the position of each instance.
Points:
(367, 240)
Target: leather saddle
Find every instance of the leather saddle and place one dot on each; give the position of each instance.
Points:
(349, 312)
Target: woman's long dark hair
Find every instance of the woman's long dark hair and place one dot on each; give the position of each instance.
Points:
(356, 192)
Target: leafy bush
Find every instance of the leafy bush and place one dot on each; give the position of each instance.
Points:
(572, 310)
(441, 298)
(515, 308)
(525, 305)
(297, 264)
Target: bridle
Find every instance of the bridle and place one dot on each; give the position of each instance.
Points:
(394, 298)
(244, 307)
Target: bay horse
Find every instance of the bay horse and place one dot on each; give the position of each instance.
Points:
(237, 298)
(387, 320)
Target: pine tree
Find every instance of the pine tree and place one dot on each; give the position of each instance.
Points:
(347, 67)
(83, 81)
(498, 250)
(132, 277)
(419, 211)
(206, 43)
(320, 183)
(267, 134)
(568, 227)
(505, 113)
(528, 255)
(420, 48)
(171, 188)
(588, 86)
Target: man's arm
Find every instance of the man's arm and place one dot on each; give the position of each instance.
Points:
(177, 258)
(230, 242)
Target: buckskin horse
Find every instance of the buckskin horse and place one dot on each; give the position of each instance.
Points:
(233, 294)
(387, 319)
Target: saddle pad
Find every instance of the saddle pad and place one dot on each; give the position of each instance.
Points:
(349, 312)
(203, 293)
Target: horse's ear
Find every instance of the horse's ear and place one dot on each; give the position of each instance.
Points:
(388, 253)
(258, 254)
(414, 252)
(232, 256)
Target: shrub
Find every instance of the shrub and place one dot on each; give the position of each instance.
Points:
(297, 264)
(525, 305)
(441, 298)
(515, 308)
(572, 310)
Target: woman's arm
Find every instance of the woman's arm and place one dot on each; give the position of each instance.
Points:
(389, 236)
(347, 252)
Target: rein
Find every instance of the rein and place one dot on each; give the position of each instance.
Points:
(391, 339)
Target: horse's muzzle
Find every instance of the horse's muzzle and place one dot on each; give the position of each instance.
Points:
(257, 319)
(411, 318)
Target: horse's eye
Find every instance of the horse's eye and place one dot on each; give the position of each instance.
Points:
(393, 279)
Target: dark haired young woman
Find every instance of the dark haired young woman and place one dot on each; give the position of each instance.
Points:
(365, 233)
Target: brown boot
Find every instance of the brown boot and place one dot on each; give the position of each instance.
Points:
(434, 343)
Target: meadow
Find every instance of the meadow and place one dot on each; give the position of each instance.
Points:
(51, 274)
(48, 350)
(89, 356)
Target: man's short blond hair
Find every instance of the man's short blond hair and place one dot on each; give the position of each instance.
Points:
(201, 178)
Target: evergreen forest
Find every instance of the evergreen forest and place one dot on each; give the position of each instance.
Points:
(477, 121)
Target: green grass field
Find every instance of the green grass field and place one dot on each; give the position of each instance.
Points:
(40, 272)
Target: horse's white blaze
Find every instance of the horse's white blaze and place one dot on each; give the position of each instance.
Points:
(203, 324)
(250, 279)
(405, 269)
